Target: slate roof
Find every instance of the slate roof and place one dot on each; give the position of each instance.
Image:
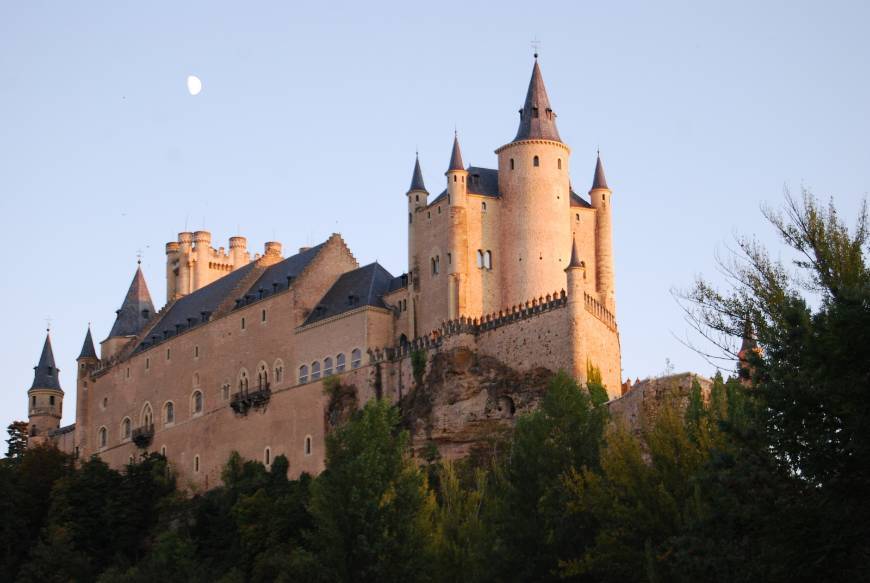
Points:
(136, 310)
(455, 156)
(537, 119)
(598, 180)
(417, 178)
(88, 350)
(45, 374)
(481, 181)
(577, 200)
(397, 283)
(197, 307)
(575, 256)
(364, 286)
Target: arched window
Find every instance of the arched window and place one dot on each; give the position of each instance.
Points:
(262, 376)
(169, 412)
(327, 366)
(339, 362)
(483, 206)
(225, 392)
(104, 437)
(450, 259)
(355, 358)
(307, 445)
(512, 163)
(196, 402)
(267, 456)
(279, 370)
(126, 428)
(536, 161)
(487, 260)
(315, 370)
(559, 163)
(577, 216)
(163, 451)
(147, 416)
(243, 380)
(303, 374)
(479, 258)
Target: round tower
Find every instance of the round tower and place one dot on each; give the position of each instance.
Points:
(87, 364)
(576, 279)
(418, 198)
(185, 277)
(238, 251)
(599, 196)
(457, 190)
(172, 249)
(535, 191)
(45, 397)
(201, 252)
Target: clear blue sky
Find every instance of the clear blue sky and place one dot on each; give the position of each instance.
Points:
(309, 118)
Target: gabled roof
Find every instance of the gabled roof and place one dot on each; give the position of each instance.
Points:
(417, 178)
(364, 286)
(88, 350)
(537, 119)
(456, 156)
(45, 374)
(276, 277)
(136, 310)
(481, 181)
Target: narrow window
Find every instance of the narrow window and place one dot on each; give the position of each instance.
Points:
(559, 163)
(197, 402)
(410, 220)
(327, 366)
(536, 161)
(454, 178)
(263, 316)
(168, 354)
(225, 392)
(169, 413)
(315, 370)
(104, 438)
(512, 163)
(578, 217)
(450, 259)
(534, 112)
(355, 358)
(267, 456)
(196, 464)
(126, 428)
(303, 374)
(308, 445)
(243, 323)
(128, 372)
(483, 206)
(33, 401)
(479, 258)
(147, 363)
(417, 197)
(196, 351)
(487, 260)
(163, 451)
(339, 362)
(51, 400)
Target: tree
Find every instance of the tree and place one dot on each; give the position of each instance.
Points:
(16, 445)
(372, 507)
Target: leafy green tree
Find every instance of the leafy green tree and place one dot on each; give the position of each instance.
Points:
(17, 442)
(372, 507)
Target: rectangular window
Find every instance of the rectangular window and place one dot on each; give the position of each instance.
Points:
(263, 316)
(167, 354)
(147, 363)
(51, 400)
(196, 351)
(243, 323)
(128, 372)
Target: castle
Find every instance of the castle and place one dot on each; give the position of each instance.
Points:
(510, 263)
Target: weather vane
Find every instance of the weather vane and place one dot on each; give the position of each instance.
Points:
(48, 324)
(536, 45)
(138, 256)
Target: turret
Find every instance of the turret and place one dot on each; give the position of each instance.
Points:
(45, 397)
(239, 252)
(576, 276)
(135, 312)
(172, 260)
(417, 200)
(201, 253)
(184, 284)
(599, 196)
(457, 176)
(534, 188)
(87, 363)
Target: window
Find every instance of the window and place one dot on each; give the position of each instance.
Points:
(512, 163)
(417, 197)
(483, 206)
(339, 362)
(163, 451)
(355, 358)
(479, 258)
(327, 366)
(127, 373)
(534, 112)
(104, 437)
(51, 400)
(536, 161)
(262, 376)
(33, 401)
(410, 220)
(307, 445)
(303, 374)
(196, 351)
(225, 392)
(487, 260)
(279, 370)
(315, 370)
(126, 428)
(196, 379)
(147, 416)
(243, 323)
(454, 178)
(267, 456)
(243, 380)
(450, 259)
(577, 216)
(196, 464)
(436, 264)
(169, 413)
(559, 163)
(147, 363)
(105, 403)
(439, 210)
(196, 402)
(168, 354)
(263, 316)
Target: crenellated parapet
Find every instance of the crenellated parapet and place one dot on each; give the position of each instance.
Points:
(598, 310)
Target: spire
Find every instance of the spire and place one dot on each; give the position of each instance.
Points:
(136, 310)
(88, 350)
(575, 256)
(45, 373)
(537, 119)
(599, 181)
(456, 155)
(417, 179)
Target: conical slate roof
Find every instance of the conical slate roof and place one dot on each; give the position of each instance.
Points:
(599, 181)
(136, 310)
(45, 374)
(456, 156)
(537, 118)
(575, 256)
(88, 350)
(417, 179)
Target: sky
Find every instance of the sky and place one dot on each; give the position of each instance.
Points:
(310, 115)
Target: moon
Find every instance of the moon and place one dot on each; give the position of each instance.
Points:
(194, 85)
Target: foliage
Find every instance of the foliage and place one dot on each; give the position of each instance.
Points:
(418, 365)
(17, 442)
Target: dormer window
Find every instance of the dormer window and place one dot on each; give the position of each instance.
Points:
(146, 314)
(534, 112)
(352, 300)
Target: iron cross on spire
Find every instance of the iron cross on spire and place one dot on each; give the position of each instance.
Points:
(536, 46)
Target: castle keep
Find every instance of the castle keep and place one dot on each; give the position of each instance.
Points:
(509, 263)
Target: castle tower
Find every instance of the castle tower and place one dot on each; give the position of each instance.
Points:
(576, 274)
(534, 187)
(600, 196)
(45, 397)
(417, 200)
(457, 244)
(131, 318)
(239, 252)
(201, 252)
(87, 363)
